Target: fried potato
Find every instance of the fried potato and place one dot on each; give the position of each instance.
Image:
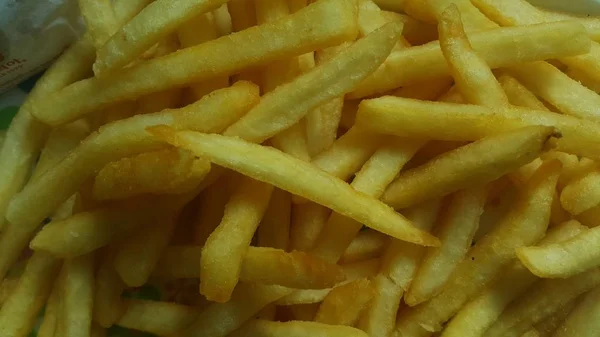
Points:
(100, 20)
(19, 312)
(168, 171)
(303, 312)
(379, 318)
(243, 14)
(274, 228)
(366, 245)
(77, 295)
(472, 75)
(581, 321)
(429, 120)
(428, 91)
(581, 194)
(125, 10)
(344, 304)
(429, 11)
(304, 296)
(293, 141)
(415, 31)
(319, 85)
(519, 95)
(287, 173)
(308, 219)
(161, 318)
(361, 269)
(295, 329)
(565, 259)
(224, 250)
(49, 323)
(525, 223)
(108, 306)
(499, 47)
(477, 163)
(549, 325)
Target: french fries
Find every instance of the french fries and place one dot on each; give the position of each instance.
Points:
(108, 306)
(581, 194)
(77, 294)
(274, 228)
(519, 95)
(344, 304)
(581, 322)
(100, 20)
(161, 318)
(307, 222)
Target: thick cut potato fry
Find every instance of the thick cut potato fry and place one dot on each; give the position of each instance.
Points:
(168, 171)
(223, 253)
(299, 178)
(582, 320)
(520, 315)
(344, 304)
(472, 75)
(430, 120)
(288, 103)
(25, 135)
(108, 306)
(77, 295)
(274, 229)
(519, 95)
(455, 229)
(205, 61)
(220, 319)
(160, 318)
(581, 194)
(565, 259)
(20, 310)
(525, 224)
(478, 315)
(100, 20)
(155, 21)
(295, 329)
(308, 220)
(380, 316)
(499, 47)
(477, 163)
(366, 245)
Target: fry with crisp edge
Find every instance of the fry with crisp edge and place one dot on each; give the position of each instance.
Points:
(519, 95)
(77, 295)
(582, 320)
(499, 47)
(430, 120)
(477, 163)
(471, 74)
(308, 220)
(205, 61)
(480, 313)
(100, 20)
(160, 318)
(289, 173)
(581, 194)
(456, 228)
(295, 329)
(108, 306)
(344, 304)
(288, 103)
(525, 224)
(564, 259)
(274, 228)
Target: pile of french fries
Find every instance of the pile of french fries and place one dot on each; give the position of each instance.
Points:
(325, 168)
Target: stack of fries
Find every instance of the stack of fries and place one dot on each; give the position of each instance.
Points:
(291, 168)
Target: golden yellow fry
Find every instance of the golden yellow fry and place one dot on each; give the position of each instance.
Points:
(25, 135)
(299, 178)
(322, 124)
(538, 304)
(295, 329)
(293, 141)
(100, 20)
(519, 95)
(220, 319)
(223, 253)
(583, 78)
(326, 81)
(223, 20)
(481, 312)
(161, 318)
(112, 142)
(582, 320)
(499, 47)
(370, 18)
(77, 295)
(472, 75)
(307, 221)
(168, 171)
(415, 31)
(380, 316)
(361, 269)
(366, 245)
(155, 21)
(455, 229)
(565, 259)
(49, 323)
(125, 10)
(429, 91)
(274, 229)
(344, 304)
(201, 62)
(477, 163)
(525, 224)
(377, 173)
(429, 11)
(429, 120)
(581, 194)
(20, 310)
(453, 95)
(108, 306)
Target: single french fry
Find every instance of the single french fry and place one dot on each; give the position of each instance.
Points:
(274, 229)
(224, 250)
(366, 245)
(49, 323)
(223, 20)
(472, 75)
(295, 329)
(477, 163)
(456, 230)
(344, 304)
(77, 295)
(307, 221)
(429, 120)
(499, 47)
(200, 62)
(220, 319)
(380, 315)
(519, 95)
(100, 20)
(20, 310)
(581, 321)
(315, 87)
(479, 314)
(323, 188)
(525, 223)
(581, 194)
(108, 306)
(161, 318)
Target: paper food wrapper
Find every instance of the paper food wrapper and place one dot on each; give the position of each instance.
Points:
(32, 34)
